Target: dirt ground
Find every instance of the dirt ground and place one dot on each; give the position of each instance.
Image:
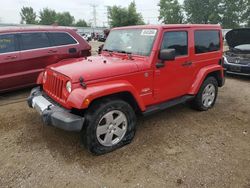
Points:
(179, 147)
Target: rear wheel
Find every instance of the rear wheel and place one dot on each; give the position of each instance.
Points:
(207, 95)
(110, 124)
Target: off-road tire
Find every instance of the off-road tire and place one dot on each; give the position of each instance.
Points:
(94, 114)
(197, 103)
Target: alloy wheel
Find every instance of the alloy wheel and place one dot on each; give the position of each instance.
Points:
(112, 128)
(208, 95)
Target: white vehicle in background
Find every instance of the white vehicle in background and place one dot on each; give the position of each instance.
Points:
(87, 37)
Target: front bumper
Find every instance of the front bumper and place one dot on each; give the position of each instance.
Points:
(238, 69)
(52, 114)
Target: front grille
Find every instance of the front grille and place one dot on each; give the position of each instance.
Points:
(237, 60)
(54, 85)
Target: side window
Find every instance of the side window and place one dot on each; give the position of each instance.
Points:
(177, 40)
(34, 41)
(206, 41)
(7, 43)
(60, 39)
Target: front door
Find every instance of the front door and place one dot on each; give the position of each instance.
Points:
(175, 78)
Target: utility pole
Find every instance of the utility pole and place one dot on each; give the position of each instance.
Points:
(94, 15)
(107, 7)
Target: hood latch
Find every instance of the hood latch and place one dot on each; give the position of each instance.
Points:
(82, 82)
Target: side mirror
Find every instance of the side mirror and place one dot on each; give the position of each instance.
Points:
(167, 54)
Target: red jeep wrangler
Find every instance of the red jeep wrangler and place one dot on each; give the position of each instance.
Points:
(141, 70)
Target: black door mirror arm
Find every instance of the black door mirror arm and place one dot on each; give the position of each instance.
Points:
(160, 64)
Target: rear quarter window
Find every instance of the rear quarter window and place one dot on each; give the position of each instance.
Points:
(31, 41)
(7, 43)
(207, 41)
(61, 39)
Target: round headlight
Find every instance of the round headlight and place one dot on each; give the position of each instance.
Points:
(68, 86)
(44, 76)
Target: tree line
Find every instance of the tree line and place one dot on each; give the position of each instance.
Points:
(49, 17)
(228, 13)
(122, 16)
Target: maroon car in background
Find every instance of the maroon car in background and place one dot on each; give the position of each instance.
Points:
(25, 52)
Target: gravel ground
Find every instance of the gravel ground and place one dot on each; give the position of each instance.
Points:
(179, 147)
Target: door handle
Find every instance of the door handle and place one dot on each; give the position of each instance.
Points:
(159, 65)
(10, 57)
(187, 64)
(52, 51)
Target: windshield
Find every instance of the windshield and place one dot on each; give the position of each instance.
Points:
(134, 41)
(243, 47)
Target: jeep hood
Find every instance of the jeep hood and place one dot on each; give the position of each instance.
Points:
(238, 37)
(95, 67)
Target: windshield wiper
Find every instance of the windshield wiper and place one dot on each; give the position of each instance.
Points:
(122, 51)
(107, 50)
(129, 54)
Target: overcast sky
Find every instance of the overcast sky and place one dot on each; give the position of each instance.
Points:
(80, 9)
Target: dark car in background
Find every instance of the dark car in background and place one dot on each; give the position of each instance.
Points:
(25, 52)
(237, 58)
(102, 38)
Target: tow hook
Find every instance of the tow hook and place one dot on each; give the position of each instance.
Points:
(49, 107)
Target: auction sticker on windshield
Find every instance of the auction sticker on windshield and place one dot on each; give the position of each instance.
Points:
(148, 32)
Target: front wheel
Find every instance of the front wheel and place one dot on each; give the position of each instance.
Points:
(207, 95)
(110, 124)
